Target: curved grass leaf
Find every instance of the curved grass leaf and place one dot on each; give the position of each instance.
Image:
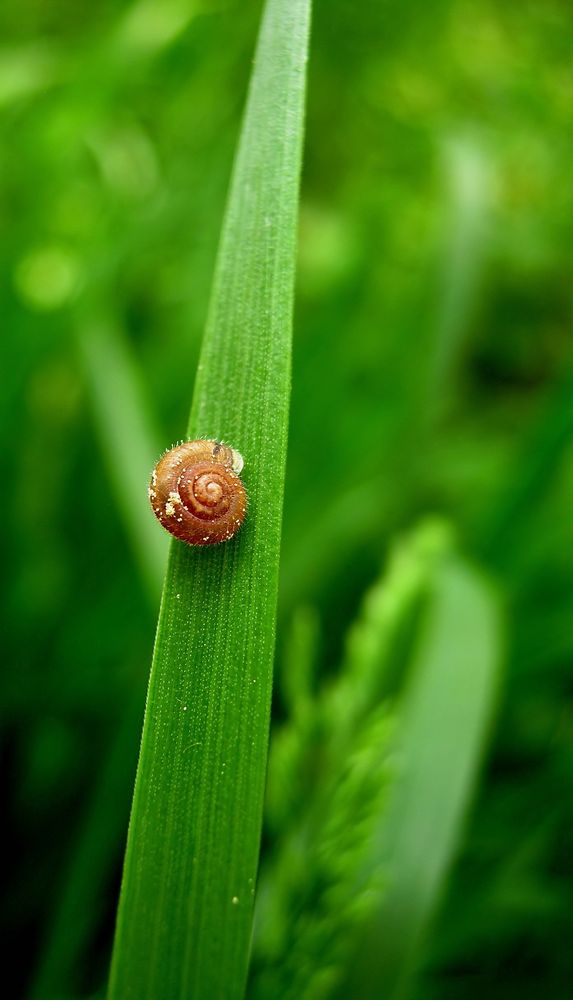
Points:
(186, 904)
(444, 716)
(329, 776)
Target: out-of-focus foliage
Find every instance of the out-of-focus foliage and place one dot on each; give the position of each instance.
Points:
(369, 781)
(433, 372)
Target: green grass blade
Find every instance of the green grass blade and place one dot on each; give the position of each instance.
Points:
(186, 904)
(328, 783)
(129, 444)
(469, 178)
(127, 437)
(444, 717)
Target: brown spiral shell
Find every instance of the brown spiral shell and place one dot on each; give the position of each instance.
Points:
(196, 493)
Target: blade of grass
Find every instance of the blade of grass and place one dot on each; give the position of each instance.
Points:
(129, 446)
(469, 178)
(185, 912)
(445, 714)
(317, 785)
(127, 438)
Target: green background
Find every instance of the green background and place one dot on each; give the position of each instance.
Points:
(433, 374)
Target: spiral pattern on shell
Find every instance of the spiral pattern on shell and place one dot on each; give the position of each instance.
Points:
(196, 493)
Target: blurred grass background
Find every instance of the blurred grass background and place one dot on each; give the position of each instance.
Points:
(433, 373)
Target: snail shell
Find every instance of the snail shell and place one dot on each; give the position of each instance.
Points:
(196, 493)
